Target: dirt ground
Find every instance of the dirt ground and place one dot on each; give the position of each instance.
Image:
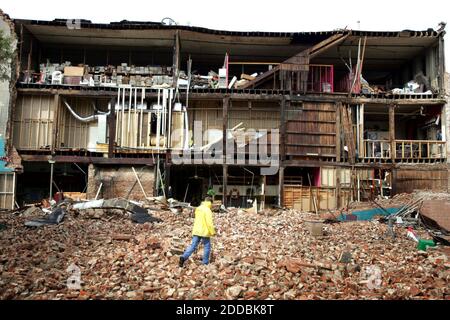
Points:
(255, 256)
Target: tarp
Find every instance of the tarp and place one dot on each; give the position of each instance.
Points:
(55, 217)
(366, 215)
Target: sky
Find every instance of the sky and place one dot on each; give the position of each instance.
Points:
(248, 15)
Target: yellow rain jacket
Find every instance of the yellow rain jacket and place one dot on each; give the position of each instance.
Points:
(203, 222)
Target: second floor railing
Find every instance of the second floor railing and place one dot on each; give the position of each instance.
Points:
(419, 149)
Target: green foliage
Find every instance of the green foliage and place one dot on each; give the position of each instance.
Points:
(6, 55)
(211, 192)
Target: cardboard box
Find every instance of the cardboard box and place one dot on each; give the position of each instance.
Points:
(74, 71)
(72, 80)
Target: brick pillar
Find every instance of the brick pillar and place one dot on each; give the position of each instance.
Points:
(92, 182)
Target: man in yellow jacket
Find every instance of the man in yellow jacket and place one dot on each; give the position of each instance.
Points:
(203, 230)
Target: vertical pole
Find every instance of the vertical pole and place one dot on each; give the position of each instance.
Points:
(338, 107)
(338, 188)
(281, 187)
(112, 129)
(283, 129)
(392, 131)
(226, 104)
(224, 184)
(55, 123)
(51, 180)
(282, 151)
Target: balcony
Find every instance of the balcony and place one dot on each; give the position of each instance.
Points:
(377, 149)
(419, 149)
(405, 150)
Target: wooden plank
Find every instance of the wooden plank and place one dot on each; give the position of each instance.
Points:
(392, 131)
(112, 131)
(56, 103)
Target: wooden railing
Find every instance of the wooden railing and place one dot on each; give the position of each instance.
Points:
(419, 149)
(404, 149)
(376, 149)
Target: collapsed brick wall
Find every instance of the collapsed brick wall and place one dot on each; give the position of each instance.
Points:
(119, 182)
(8, 87)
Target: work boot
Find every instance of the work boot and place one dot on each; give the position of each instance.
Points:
(181, 261)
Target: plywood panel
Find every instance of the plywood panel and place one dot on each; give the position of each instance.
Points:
(410, 180)
(311, 130)
(301, 198)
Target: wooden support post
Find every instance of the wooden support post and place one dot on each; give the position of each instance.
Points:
(176, 58)
(56, 101)
(338, 188)
(441, 64)
(392, 131)
(338, 143)
(226, 105)
(393, 182)
(283, 129)
(112, 131)
(167, 167)
(281, 187)
(263, 196)
(224, 185)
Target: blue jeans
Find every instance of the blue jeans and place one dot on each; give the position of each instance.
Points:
(195, 242)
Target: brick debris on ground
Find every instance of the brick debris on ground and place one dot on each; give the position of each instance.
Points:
(255, 256)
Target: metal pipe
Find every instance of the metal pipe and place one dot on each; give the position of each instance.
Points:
(51, 179)
(78, 117)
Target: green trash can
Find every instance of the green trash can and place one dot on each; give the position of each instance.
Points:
(423, 244)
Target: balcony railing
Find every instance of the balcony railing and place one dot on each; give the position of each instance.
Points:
(419, 149)
(404, 149)
(377, 149)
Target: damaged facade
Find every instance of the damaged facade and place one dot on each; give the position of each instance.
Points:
(332, 117)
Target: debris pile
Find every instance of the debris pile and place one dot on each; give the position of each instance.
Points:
(269, 255)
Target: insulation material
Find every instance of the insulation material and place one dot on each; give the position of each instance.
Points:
(177, 126)
(75, 134)
(301, 198)
(33, 122)
(328, 177)
(135, 127)
(7, 190)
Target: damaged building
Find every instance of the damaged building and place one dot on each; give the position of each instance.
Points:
(303, 120)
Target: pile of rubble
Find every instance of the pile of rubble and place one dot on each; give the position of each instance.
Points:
(255, 256)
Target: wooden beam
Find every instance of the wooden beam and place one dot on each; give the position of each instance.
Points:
(392, 131)
(176, 57)
(281, 186)
(81, 159)
(224, 184)
(226, 105)
(56, 115)
(112, 131)
(441, 71)
(283, 128)
(338, 107)
(338, 187)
